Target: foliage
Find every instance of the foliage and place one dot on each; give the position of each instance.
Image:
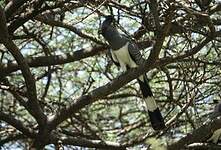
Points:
(58, 84)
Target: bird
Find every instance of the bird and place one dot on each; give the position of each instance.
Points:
(203, 4)
(125, 53)
(216, 111)
(216, 137)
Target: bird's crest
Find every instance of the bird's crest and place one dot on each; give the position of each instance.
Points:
(108, 22)
(109, 18)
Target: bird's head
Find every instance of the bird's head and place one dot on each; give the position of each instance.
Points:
(107, 23)
(109, 19)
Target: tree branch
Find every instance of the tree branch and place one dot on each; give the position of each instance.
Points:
(204, 146)
(11, 138)
(3, 27)
(161, 33)
(199, 135)
(35, 109)
(113, 86)
(52, 22)
(53, 60)
(24, 18)
(44, 61)
(17, 124)
(154, 10)
(13, 6)
(92, 143)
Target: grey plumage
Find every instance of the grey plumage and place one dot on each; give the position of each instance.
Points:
(117, 41)
(125, 53)
(217, 134)
(216, 112)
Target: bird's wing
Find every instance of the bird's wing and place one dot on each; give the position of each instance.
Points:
(135, 53)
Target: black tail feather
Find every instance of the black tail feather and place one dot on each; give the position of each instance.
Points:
(144, 87)
(156, 118)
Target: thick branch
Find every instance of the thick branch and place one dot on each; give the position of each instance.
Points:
(92, 143)
(3, 27)
(154, 10)
(204, 146)
(53, 60)
(199, 135)
(35, 109)
(155, 52)
(13, 6)
(11, 138)
(24, 18)
(17, 124)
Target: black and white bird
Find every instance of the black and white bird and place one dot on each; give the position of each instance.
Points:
(216, 137)
(216, 112)
(125, 53)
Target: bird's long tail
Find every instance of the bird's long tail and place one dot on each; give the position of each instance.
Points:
(156, 118)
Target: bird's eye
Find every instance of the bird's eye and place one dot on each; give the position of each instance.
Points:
(113, 23)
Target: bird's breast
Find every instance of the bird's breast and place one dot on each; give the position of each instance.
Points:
(123, 56)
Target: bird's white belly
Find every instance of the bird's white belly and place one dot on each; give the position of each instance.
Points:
(124, 58)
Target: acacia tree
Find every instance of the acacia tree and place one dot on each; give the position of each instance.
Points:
(58, 88)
